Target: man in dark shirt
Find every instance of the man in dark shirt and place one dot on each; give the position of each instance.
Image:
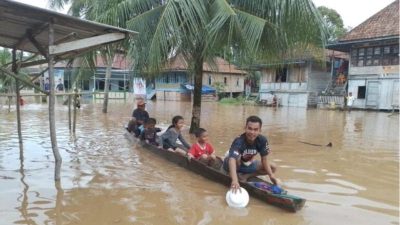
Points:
(242, 153)
(47, 85)
(140, 115)
(60, 86)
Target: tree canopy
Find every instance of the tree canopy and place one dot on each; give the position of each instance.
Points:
(202, 29)
(333, 22)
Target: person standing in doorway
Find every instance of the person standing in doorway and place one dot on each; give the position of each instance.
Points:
(350, 100)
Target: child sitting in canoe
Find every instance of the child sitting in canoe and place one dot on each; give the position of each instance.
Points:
(131, 126)
(202, 150)
(173, 133)
(149, 133)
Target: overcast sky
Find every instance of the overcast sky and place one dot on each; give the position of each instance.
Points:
(353, 12)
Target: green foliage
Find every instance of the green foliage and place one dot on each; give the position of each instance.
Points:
(199, 30)
(5, 56)
(231, 101)
(241, 30)
(240, 100)
(5, 81)
(219, 87)
(333, 22)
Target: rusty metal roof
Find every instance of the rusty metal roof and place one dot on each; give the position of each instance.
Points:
(18, 19)
(385, 23)
(178, 63)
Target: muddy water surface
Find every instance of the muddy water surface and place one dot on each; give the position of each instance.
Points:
(108, 180)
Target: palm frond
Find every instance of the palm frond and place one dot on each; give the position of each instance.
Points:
(165, 29)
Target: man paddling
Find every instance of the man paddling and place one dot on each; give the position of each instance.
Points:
(242, 152)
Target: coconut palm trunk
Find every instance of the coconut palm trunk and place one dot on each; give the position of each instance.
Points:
(109, 61)
(198, 83)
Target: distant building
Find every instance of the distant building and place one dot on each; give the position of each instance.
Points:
(373, 72)
(225, 75)
(121, 75)
(121, 79)
(298, 81)
(176, 82)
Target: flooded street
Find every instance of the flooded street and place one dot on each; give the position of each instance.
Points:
(105, 179)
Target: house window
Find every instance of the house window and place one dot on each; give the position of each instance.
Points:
(361, 92)
(181, 78)
(395, 49)
(166, 79)
(209, 80)
(390, 55)
(121, 85)
(354, 53)
(237, 82)
(280, 75)
(375, 56)
(386, 50)
(361, 53)
(377, 50)
(101, 85)
(85, 84)
(225, 80)
(171, 78)
(368, 61)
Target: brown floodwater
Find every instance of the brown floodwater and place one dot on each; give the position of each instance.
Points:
(108, 180)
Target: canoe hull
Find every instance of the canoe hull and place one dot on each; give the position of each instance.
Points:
(288, 202)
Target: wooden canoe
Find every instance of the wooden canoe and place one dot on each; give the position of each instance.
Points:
(285, 201)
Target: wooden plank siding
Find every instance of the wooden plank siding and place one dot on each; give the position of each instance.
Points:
(297, 85)
(232, 82)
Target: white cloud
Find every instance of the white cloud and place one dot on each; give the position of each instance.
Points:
(41, 4)
(354, 12)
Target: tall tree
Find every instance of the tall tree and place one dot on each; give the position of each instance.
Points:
(94, 10)
(333, 22)
(200, 30)
(203, 29)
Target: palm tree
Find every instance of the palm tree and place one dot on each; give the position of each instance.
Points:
(203, 29)
(5, 81)
(248, 30)
(92, 10)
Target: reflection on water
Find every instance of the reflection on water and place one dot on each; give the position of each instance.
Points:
(108, 180)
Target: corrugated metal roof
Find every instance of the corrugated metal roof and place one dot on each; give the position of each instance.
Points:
(16, 19)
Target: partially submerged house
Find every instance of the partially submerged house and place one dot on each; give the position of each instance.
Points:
(373, 71)
(176, 82)
(92, 80)
(226, 76)
(121, 74)
(297, 81)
